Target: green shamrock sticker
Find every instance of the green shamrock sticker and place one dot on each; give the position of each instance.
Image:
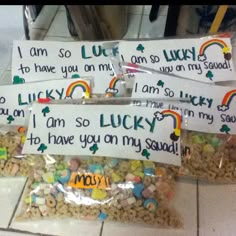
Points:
(75, 76)
(42, 147)
(94, 148)
(140, 48)
(18, 80)
(209, 75)
(225, 129)
(45, 111)
(145, 153)
(160, 83)
(10, 119)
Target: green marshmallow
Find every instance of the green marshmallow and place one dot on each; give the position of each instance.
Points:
(198, 139)
(215, 142)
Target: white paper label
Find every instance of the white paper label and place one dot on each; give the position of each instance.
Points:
(207, 59)
(34, 60)
(105, 130)
(15, 99)
(212, 108)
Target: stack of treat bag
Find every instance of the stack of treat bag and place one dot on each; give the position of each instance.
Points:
(107, 141)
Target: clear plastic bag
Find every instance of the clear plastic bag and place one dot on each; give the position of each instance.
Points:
(210, 157)
(205, 156)
(12, 162)
(189, 58)
(100, 188)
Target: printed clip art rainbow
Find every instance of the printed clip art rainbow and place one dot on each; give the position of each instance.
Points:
(220, 43)
(227, 99)
(177, 122)
(111, 90)
(78, 84)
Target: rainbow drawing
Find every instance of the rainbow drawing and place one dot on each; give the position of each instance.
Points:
(113, 82)
(177, 122)
(227, 99)
(112, 86)
(78, 84)
(209, 43)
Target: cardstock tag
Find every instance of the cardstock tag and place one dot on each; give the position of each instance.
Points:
(211, 109)
(121, 131)
(206, 60)
(15, 100)
(34, 60)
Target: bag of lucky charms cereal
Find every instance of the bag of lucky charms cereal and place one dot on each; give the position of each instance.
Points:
(209, 146)
(210, 157)
(102, 188)
(116, 162)
(12, 162)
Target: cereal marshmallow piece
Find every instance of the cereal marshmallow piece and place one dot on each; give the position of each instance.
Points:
(38, 200)
(112, 162)
(150, 204)
(215, 142)
(115, 177)
(128, 201)
(48, 177)
(199, 139)
(149, 164)
(208, 148)
(148, 191)
(35, 185)
(98, 194)
(136, 165)
(96, 169)
(160, 171)
(3, 153)
(137, 190)
(148, 171)
(28, 200)
(138, 173)
(132, 178)
(102, 216)
(64, 176)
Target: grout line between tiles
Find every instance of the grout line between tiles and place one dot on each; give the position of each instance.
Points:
(101, 230)
(198, 205)
(17, 204)
(140, 24)
(24, 232)
(8, 229)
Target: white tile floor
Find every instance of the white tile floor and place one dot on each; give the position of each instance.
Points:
(206, 209)
(12, 30)
(9, 195)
